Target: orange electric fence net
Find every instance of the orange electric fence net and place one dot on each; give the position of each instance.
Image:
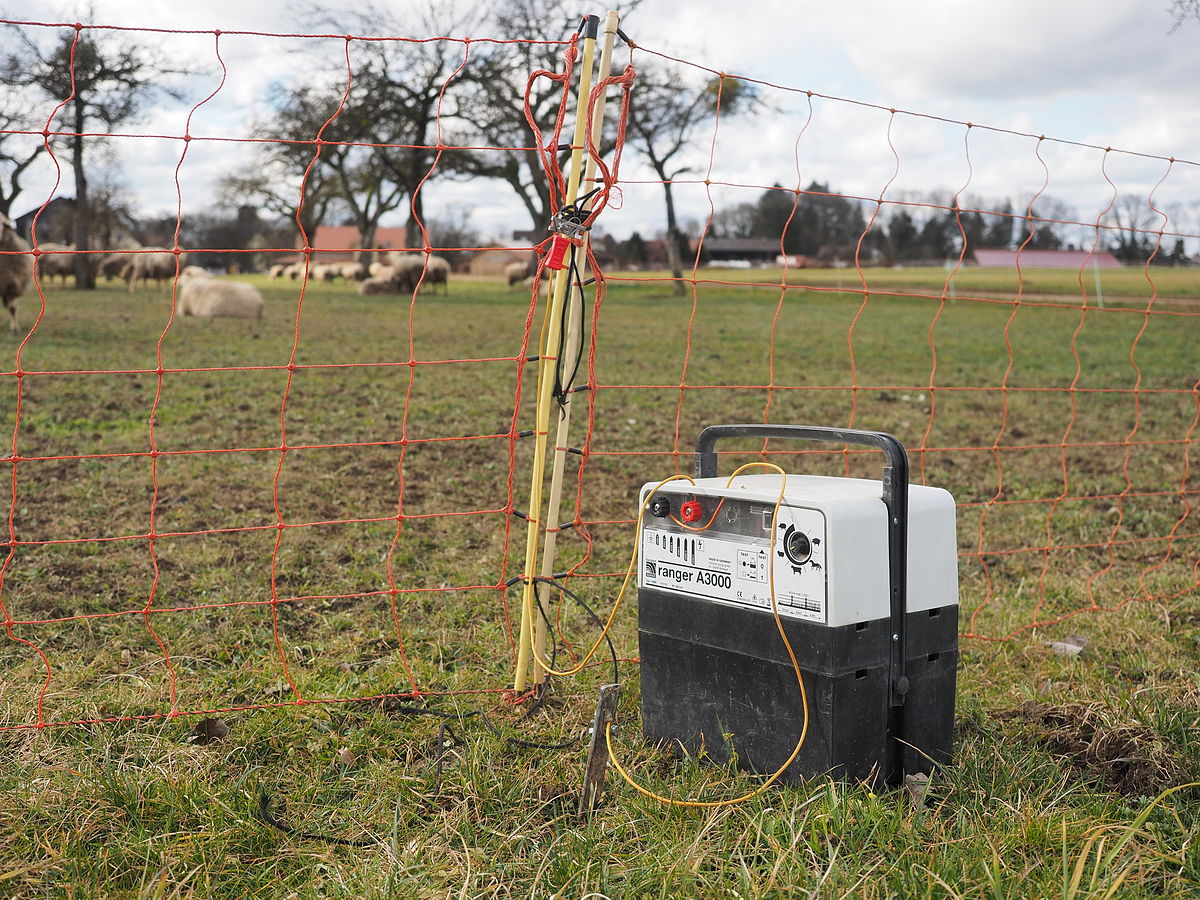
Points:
(324, 504)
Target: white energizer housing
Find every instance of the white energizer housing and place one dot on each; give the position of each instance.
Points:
(837, 571)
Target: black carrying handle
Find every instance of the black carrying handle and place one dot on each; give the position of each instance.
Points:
(895, 499)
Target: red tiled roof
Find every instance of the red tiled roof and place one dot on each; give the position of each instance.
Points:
(345, 237)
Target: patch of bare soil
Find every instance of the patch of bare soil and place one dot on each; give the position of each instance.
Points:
(1127, 758)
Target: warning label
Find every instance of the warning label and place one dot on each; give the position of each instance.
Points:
(736, 569)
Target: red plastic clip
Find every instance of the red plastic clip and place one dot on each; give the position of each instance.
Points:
(558, 250)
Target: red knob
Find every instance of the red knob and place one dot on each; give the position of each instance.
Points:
(691, 511)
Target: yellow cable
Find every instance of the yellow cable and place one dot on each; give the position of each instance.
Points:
(578, 667)
(709, 804)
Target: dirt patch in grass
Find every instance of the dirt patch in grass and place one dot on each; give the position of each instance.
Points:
(1130, 759)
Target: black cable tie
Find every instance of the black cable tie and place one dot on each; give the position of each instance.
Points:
(590, 281)
(565, 525)
(575, 450)
(580, 387)
(533, 358)
(560, 575)
(528, 433)
(623, 36)
(520, 515)
(562, 147)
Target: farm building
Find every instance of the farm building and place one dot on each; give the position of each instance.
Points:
(755, 251)
(339, 243)
(492, 261)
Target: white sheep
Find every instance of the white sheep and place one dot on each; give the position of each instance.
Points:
(324, 272)
(515, 273)
(204, 296)
(151, 262)
(377, 284)
(351, 271)
(57, 261)
(277, 271)
(438, 272)
(16, 268)
(411, 269)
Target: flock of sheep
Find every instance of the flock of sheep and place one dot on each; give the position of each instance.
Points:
(200, 294)
(390, 273)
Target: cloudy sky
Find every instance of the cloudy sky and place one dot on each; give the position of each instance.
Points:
(1103, 74)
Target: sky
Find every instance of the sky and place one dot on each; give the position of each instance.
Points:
(1105, 74)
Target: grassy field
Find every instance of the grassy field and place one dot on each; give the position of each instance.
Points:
(1071, 775)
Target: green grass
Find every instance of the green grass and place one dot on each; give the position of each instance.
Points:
(1127, 285)
(1056, 757)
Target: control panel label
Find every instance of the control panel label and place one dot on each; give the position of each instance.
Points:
(737, 568)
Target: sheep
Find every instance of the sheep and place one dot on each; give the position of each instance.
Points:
(411, 269)
(515, 272)
(438, 272)
(277, 271)
(151, 262)
(324, 272)
(114, 264)
(58, 261)
(351, 271)
(205, 297)
(16, 268)
(377, 285)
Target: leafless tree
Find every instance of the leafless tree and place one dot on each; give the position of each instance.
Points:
(101, 80)
(666, 112)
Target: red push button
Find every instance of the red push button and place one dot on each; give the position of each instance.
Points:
(691, 511)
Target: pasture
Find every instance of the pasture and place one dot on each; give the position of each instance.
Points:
(365, 559)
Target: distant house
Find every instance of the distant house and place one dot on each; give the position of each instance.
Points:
(1046, 259)
(340, 243)
(756, 251)
(55, 225)
(493, 261)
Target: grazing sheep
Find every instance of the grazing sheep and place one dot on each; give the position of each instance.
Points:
(438, 272)
(151, 262)
(515, 273)
(203, 296)
(277, 271)
(325, 272)
(16, 269)
(411, 269)
(114, 264)
(351, 271)
(58, 261)
(378, 285)
(295, 271)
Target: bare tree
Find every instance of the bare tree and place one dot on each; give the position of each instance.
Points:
(378, 133)
(665, 113)
(412, 87)
(1181, 11)
(17, 151)
(101, 81)
(1133, 228)
(492, 110)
